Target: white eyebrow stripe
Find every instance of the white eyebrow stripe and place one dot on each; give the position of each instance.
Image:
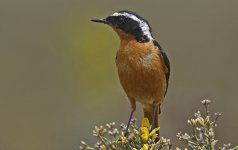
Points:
(143, 25)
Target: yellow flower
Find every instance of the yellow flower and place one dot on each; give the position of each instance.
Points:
(99, 131)
(144, 133)
(185, 149)
(136, 131)
(200, 121)
(206, 120)
(153, 134)
(145, 147)
(192, 122)
(103, 147)
(131, 136)
(134, 149)
(122, 138)
(152, 147)
(145, 123)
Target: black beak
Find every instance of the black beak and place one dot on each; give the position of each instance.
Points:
(100, 20)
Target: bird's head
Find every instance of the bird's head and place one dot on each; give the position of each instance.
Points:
(128, 24)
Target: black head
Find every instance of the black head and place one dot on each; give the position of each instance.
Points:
(130, 23)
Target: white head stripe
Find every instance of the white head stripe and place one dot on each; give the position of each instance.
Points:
(143, 25)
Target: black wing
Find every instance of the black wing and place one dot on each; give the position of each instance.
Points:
(166, 62)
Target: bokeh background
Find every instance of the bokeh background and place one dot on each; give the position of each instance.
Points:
(58, 76)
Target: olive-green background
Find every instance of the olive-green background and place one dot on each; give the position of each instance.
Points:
(58, 76)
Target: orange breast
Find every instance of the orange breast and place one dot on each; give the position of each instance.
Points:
(141, 71)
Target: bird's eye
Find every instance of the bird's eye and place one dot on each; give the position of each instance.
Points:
(120, 21)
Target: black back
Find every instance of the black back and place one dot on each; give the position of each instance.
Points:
(166, 62)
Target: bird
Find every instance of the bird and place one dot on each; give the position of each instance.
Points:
(142, 64)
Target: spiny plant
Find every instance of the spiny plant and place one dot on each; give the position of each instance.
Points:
(144, 138)
(203, 131)
(139, 138)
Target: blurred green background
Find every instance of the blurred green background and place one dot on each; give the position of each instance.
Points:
(58, 76)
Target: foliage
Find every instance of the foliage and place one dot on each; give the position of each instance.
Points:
(144, 138)
(203, 134)
(110, 138)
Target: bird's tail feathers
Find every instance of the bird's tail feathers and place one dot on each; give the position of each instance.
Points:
(148, 113)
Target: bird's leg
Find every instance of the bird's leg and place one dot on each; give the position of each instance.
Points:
(159, 108)
(154, 115)
(128, 124)
(133, 106)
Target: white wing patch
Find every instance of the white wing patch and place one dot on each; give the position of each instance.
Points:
(143, 25)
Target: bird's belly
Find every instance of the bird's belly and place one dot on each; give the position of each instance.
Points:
(146, 84)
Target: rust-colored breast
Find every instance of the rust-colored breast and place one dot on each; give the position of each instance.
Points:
(141, 71)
